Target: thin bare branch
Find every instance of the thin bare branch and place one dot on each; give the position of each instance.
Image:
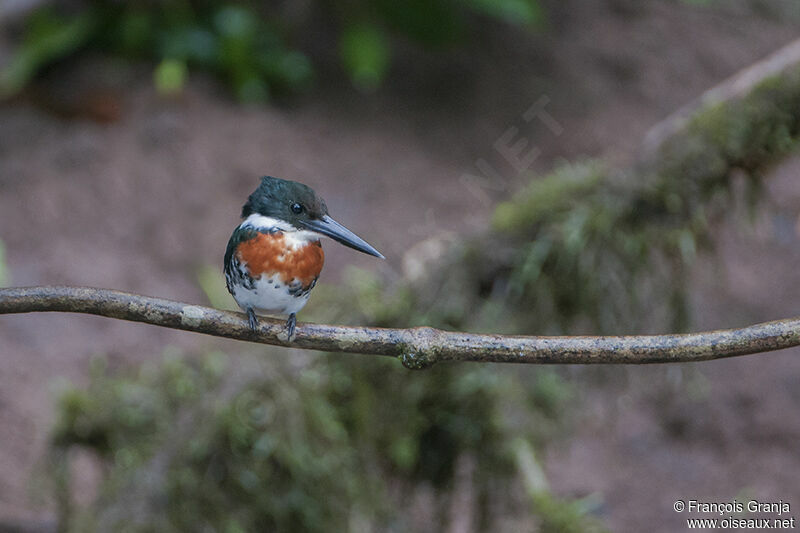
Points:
(416, 347)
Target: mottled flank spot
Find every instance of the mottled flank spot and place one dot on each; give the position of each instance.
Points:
(268, 254)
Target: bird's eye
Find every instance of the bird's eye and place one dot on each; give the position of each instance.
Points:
(297, 208)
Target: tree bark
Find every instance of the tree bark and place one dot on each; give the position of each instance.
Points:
(416, 347)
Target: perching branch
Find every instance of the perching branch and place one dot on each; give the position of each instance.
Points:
(416, 347)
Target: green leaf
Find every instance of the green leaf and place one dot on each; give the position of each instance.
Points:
(522, 12)
(48, 38)
(236, 22)
(292, 68)
(170, 76)
(135, 32)
(433, 23)
(364, 50)
(250, 88)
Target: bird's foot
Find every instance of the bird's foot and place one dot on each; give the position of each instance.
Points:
(252, 320)
(290, 325)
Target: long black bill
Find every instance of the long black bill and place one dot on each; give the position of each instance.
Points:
(330, 228)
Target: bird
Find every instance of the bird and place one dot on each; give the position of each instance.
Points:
(274, 256)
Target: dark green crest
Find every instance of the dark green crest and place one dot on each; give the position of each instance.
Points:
(285, 200)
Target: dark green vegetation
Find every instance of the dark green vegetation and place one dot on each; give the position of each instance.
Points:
(258, 50)
(343, 441)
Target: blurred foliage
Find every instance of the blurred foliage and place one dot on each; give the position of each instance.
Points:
(554, 515)
(335, 445)
(252, 46)
(270, 457)
(365, 55)
(48, 38)
(170, 77)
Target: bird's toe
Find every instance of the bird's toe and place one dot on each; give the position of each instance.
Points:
(290, 326)
(252, 320)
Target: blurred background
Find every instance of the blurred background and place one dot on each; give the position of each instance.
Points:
(492, 150)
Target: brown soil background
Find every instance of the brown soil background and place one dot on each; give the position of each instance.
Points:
(140, 203)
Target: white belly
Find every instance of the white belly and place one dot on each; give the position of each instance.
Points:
(267, 299)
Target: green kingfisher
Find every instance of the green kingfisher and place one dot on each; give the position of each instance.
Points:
(274, 256)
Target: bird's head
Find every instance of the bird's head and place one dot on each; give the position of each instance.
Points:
(298, 207)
